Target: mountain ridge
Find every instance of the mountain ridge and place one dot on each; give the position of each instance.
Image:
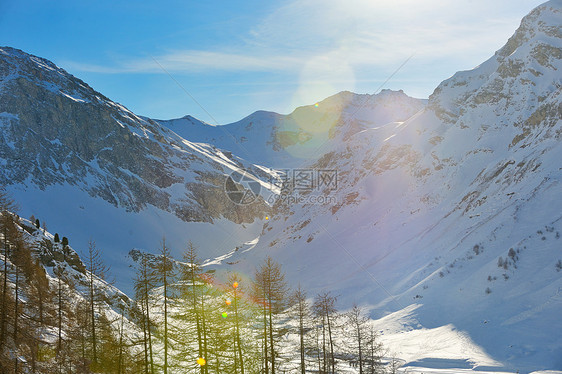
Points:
(285, 141)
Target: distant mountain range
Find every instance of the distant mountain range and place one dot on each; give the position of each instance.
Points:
(82, 162)
(442, 215)
(287, 141)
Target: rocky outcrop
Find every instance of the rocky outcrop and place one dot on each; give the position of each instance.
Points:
(55, 129)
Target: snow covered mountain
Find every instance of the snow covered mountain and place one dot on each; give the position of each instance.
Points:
(449, 221)
(68, 151)
(57, 130)
(68, 154)
(286, 141)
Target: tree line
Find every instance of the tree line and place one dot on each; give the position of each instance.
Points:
(191, 322)
(55, 323)
(182, 319)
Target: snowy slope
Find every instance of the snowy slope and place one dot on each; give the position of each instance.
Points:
(53, 255)
(425, 208)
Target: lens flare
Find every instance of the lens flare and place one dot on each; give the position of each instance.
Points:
(224, 314)
(201, 361)
(235, 285)
(227, 301)
(308, 128)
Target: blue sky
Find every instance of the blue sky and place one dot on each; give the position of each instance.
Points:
(236, 57)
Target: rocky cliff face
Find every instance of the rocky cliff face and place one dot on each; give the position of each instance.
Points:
(519, 83)
(55, 129)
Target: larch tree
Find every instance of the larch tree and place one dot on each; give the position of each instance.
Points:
(9, 235)
(194, 292)
(357, 323)
(18, 249)
(374, 351)
(65, 287)
(162, 274)
(301, 311)
(271, 291)
(324, 308)
(96, 270)
(143, 285)
(235, 282)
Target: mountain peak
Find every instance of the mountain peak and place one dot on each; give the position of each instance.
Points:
(518, 77)
(541, 24)
(352, 98)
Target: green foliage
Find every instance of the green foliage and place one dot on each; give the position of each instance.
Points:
(46, 353)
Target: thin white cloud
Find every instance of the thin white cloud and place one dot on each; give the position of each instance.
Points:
(382, 32)
(192, 61)
(330, 39)
(91, 68)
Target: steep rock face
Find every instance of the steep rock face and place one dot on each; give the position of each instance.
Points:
(58, 130)
(518, 81)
